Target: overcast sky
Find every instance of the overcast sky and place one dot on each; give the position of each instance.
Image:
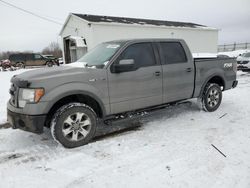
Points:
(21, 31)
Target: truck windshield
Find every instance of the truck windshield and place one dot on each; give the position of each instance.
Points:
(100, 55)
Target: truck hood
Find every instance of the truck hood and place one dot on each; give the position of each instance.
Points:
(49, 73)
(55, 76)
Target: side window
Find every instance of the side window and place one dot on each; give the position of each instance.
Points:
(142, 53)
(172, 52)
(37, 56)
(29, 57)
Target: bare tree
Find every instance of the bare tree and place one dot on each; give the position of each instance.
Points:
(53, 49)
(5, 55)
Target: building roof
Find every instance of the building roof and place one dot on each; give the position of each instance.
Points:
(124, 20)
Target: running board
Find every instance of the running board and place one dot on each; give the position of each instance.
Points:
(137, 115)
(129, 120)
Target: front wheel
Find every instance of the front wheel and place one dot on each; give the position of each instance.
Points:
(49, 64)
(212, 97)
(74, 125)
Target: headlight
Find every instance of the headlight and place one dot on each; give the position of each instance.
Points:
(29, 95)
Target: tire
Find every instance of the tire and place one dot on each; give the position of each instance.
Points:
(212, 97)
(245, 70)
(20, 65)
(49, 64)
(74, 125)
(4, 67)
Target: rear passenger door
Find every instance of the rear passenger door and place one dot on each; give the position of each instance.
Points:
(29, 59)
(178, 72)
(139, 88)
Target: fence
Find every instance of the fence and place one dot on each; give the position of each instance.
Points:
(233, 47)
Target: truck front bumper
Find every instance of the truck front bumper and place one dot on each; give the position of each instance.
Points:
(30, 123)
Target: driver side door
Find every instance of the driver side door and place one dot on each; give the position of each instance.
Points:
(38, 60)
(138, 88)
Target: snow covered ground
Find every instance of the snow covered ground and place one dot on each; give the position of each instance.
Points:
(171, 149)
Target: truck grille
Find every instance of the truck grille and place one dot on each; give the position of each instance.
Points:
(13, 95)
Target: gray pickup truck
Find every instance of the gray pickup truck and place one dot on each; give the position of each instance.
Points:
(115, 81)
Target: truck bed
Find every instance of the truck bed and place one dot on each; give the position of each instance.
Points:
(206, 68)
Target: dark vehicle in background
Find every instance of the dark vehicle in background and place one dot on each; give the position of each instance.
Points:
(243, 62)
(30, 59)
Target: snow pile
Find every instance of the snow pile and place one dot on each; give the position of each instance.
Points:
(235, 53)
(204, 55)
(76, 64)
(171, 149)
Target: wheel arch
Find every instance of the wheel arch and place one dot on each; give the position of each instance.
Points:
(216, 79)
(82, 97)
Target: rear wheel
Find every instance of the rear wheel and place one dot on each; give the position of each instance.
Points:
(20, 65)
(74, 125)
(212, 97)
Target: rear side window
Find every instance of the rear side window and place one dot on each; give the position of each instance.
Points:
(172, 52)
(29, 57)
(12, 58)
(17, 57)
(142, 53)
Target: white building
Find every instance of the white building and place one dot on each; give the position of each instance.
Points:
(82, 32)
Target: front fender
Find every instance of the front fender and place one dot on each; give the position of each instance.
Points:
(68, 89)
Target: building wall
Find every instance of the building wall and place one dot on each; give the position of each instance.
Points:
(199, 40)
(77, 27)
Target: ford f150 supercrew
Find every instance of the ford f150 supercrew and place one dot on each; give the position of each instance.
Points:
(116, 79)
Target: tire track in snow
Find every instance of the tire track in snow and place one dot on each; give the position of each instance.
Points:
(33, 154)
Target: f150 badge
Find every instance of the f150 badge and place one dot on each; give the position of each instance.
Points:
(228, 65)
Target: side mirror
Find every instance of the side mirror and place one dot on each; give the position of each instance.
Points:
(124, 65)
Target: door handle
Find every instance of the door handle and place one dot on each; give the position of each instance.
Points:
(189, 70)
(157, 73)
